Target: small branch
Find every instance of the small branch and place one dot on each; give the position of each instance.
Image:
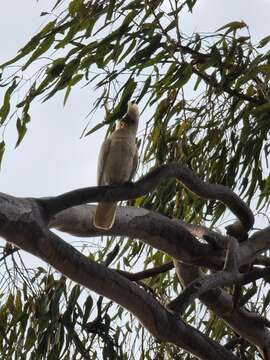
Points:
(255, 245)
(200, 286)
(147, 273)
(208, 282)
(253, 275)
(232, 92)
(245, 323)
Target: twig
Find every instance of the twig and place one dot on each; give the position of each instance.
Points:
(147, 273)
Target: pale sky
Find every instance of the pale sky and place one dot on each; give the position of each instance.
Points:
(52, 158)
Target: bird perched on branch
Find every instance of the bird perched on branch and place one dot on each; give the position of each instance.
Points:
(117, 162)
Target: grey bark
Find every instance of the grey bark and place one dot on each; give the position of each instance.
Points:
(24, 222)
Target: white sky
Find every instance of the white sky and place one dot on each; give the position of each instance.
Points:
(52, 159)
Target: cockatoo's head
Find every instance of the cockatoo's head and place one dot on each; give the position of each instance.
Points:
(133, 110)
(130, 119)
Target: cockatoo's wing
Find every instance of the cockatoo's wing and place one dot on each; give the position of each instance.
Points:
(103, 155)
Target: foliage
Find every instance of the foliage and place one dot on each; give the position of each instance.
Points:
(207, 101)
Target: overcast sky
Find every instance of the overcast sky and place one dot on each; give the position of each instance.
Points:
(52, 158)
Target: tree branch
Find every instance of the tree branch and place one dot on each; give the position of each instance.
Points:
(147, 184)
(255, 245)
(245, 323)
(232, 92)
(171, 236)
(22, 223)
(156, 230)
(147, 273)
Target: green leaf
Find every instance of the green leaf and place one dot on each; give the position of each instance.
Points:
(266, 301)
(31, 45)
(261, 109)
(2, 150)
(190, 4)
(56, 4)
(4, 111)
(247, 296)
(72, 82)
(43, 47)
(264, 41)
(171, 26)
(95, 128)
(69, 71)
(131, 47)
(184, 76)
(23, 52)
(21, 124)
(57, 67)
(110, 10)
(75, 6)
(144, 89)
(30, 338)
(21, 128)
(265, 68)
(74, 295)
(234, 25)
(73, 29)
(118, 33)
(87, 309)
(145, 54)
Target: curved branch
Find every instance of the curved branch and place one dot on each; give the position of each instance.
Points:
(171, 236)
(147, 184)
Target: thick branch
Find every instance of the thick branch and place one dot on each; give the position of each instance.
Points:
(152, 228)
(22, 223)
(168, 235)
(78, 221)
(147, 184)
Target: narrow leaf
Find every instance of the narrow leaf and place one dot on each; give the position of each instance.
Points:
(234, 25)
(2, 150)
(95, 128)
(4, 111)
(43, 47)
